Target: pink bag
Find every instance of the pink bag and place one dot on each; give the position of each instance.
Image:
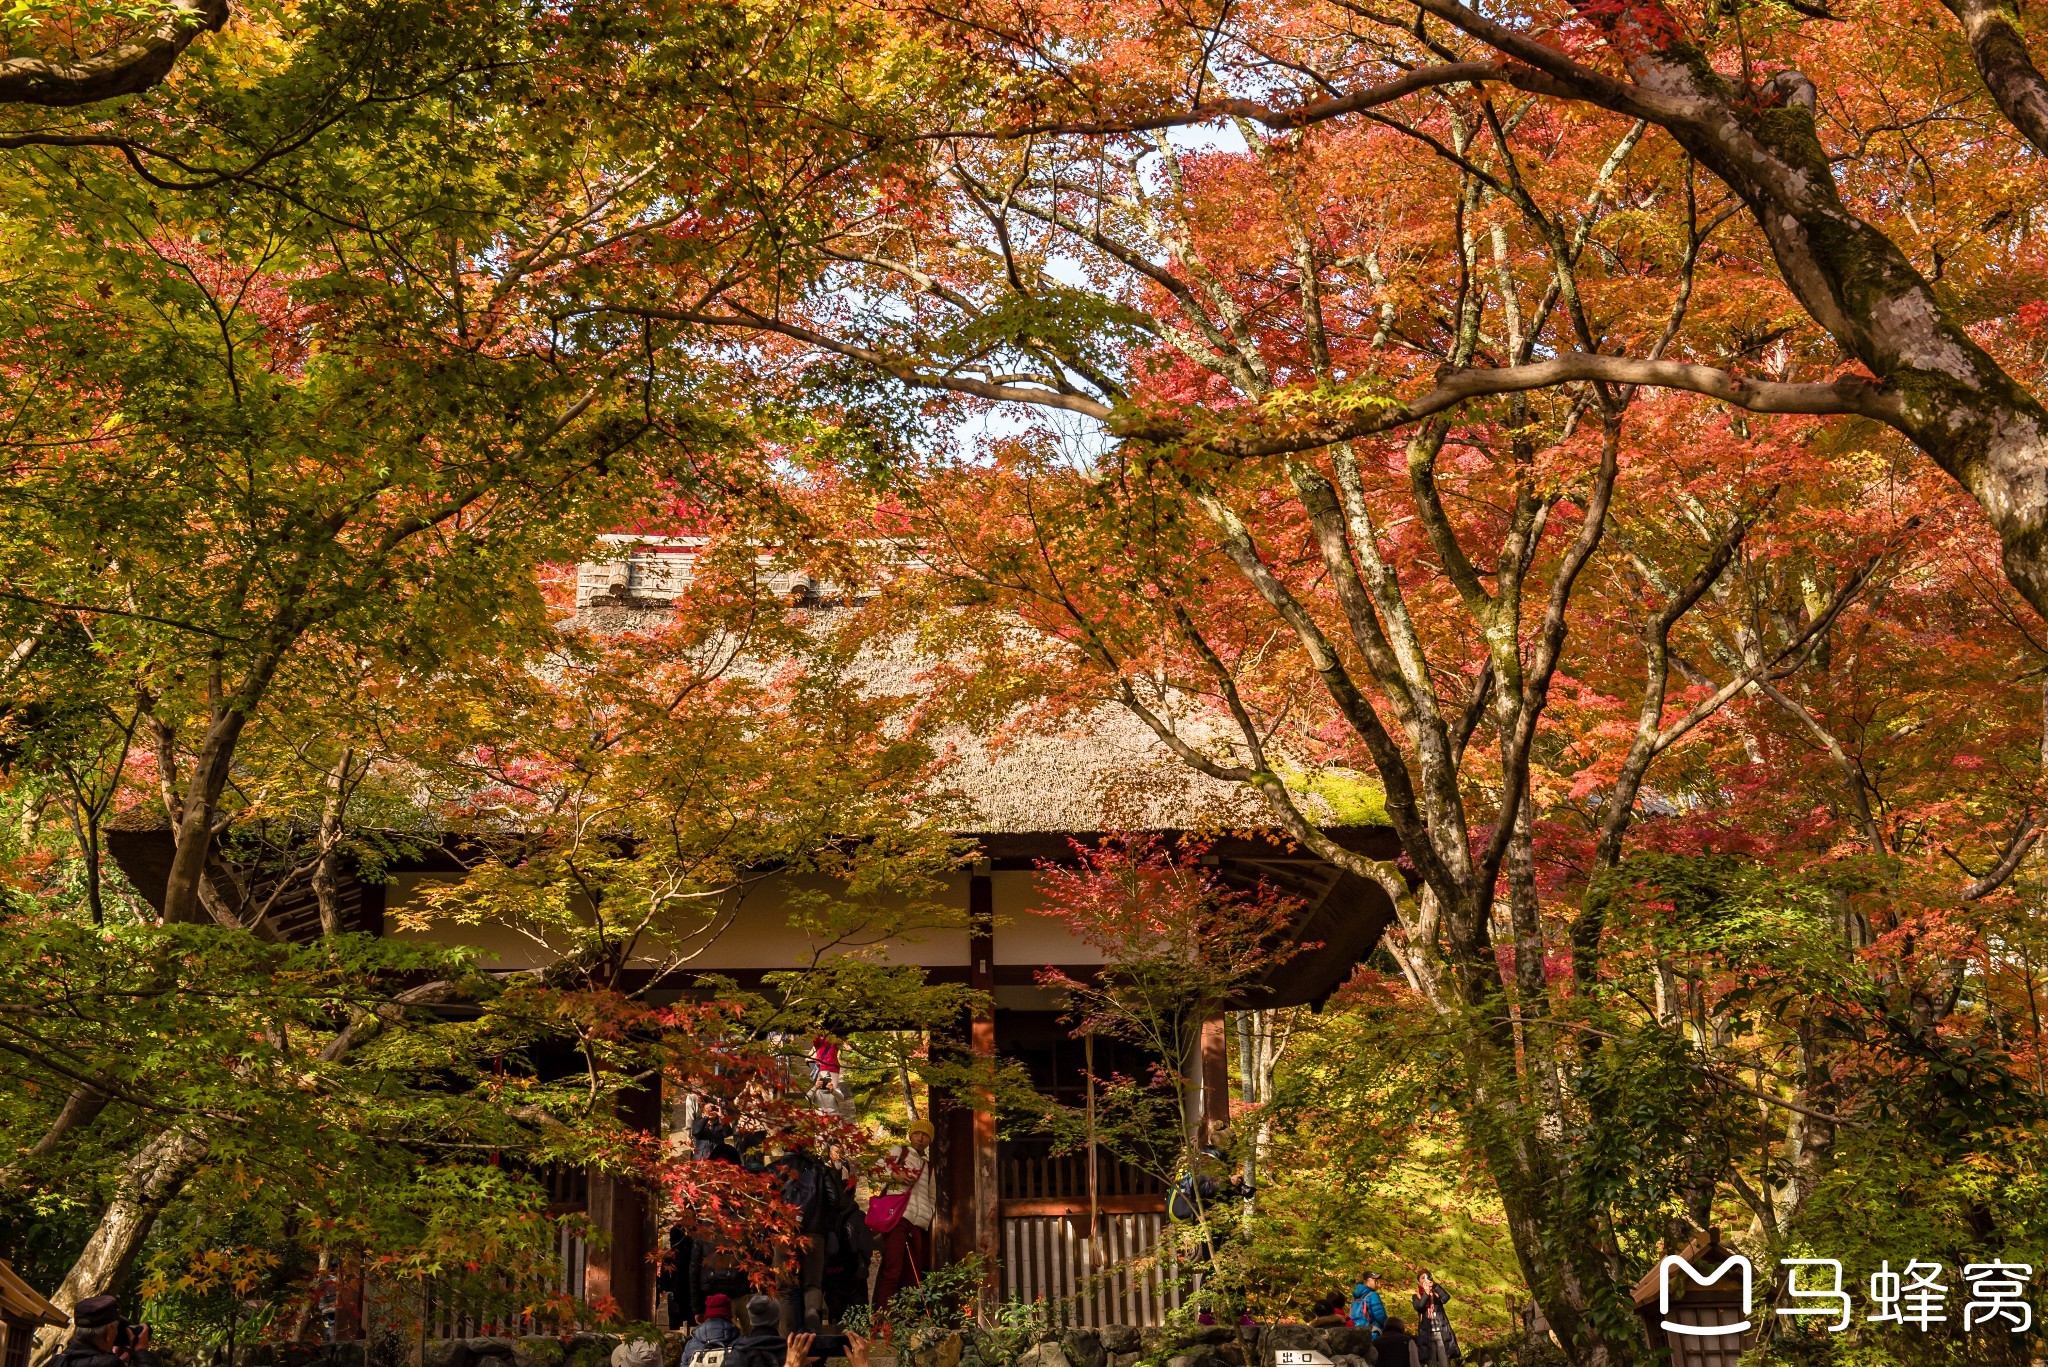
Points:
(886, 1212)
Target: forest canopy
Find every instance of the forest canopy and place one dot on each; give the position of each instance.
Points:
(1600, 444)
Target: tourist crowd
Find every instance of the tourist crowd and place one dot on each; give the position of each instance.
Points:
(1432, 1342)
(849, 1255)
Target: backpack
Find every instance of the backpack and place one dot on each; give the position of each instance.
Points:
(712, 1341)
(1360, 1318)
(812, 1190)
(1183, 1207)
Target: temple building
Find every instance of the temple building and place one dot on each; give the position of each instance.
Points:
(1045, 1221)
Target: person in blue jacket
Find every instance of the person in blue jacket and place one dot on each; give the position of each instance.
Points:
(1368, 1311)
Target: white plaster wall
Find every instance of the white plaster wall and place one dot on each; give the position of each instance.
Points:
(1026, 935)
(758, 934)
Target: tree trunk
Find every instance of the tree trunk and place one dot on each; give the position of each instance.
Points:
(1562, 1250)
(152, 1178)
(79, 1111)
(327, 872)
(193, 826)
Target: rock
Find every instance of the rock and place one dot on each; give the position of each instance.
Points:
(1347, 1342)
(672, 1349)
(1083, 1348)
(1350, 1360)
(1289, 1335)
(1125, 1359)
(500, 1349)
(1044, 1355)
(588, 1350)
(537, 1350)
(1119, 1338)
(640, 1349)
(929, 1348)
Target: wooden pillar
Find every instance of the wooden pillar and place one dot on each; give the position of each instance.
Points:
(1215, 1073)
(953, 1152)
(621, 1264)
(348, 1302)
(981, 976)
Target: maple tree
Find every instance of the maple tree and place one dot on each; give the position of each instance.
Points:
(1179, 944)
(1567, 434)
(298, 408)
(1360, 437)
(615, 800)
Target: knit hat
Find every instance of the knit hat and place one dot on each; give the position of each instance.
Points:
(920, 1126)
(764, 1315)
(718, 1306)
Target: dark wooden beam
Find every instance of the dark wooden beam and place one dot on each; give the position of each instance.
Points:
(981, 975)
(1215, 1072)
(1009, 851)
(621, 1260)
(1062, 1205)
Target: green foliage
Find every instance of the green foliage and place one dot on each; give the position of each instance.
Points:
(1368, 1168)
(943, 1302)
(380, 1153)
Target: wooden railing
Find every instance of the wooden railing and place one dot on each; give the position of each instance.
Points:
(1030, 1171)
(504, 1309)
(471, 1311)
(1123, 1275)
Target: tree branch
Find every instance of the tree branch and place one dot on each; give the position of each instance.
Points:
(2025, 833)
(123, 69)
(1214, 111)
(367, 1025)
(1850, 395)
(1999, 47)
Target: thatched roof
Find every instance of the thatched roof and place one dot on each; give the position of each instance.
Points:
(1103, 770)
(1100, 772)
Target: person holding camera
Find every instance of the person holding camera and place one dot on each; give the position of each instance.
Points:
(101, 1338)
